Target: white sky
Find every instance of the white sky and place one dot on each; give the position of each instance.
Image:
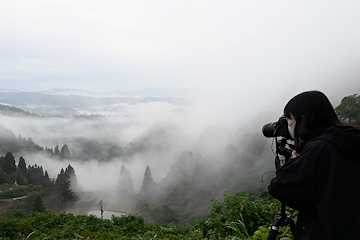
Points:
(235, 50)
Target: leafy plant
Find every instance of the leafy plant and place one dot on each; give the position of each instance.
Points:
(237, 217)
(252, 212)
(239, 227)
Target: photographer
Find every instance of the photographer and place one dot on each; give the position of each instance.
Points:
(322, 179)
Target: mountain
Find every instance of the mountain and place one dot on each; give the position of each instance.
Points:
(24, 99)
(154, 92)
(68, 91)
(8, 90)
(147, 92)
(15, 112)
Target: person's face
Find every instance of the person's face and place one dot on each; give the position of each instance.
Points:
(290, 120)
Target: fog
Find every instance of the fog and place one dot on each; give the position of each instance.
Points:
(150, 133)
(158, 79)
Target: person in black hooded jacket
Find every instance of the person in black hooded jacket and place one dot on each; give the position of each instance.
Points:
(322, 179)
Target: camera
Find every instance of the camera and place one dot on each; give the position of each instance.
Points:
(277, 129)
(274, 130)
(280, 129)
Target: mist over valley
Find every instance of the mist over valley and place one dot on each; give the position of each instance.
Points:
(190, 161)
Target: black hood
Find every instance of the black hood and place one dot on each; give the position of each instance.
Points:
(344, 138)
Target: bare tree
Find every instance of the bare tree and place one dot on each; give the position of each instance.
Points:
(101, 206)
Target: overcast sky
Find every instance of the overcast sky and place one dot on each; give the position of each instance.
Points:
(235, 50)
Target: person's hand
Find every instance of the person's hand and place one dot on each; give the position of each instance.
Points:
(294, 154)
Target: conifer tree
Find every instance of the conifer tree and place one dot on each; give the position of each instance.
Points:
(72, 177)
(4, 178)
(68, 175)
(61, 176)
(65, 152)
(35, 174)
(57, 151)
(125, 184)
(22, 172)
(39, 205)
(46, 176)
(148, 180)
(9, 165)
(22, 166)
(49, 151)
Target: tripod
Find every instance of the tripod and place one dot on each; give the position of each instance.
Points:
(281, 219)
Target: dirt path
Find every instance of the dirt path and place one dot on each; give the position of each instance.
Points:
(11, 199)
(7, 203)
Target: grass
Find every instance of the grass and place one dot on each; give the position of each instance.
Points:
(4, 187)
(4, 206)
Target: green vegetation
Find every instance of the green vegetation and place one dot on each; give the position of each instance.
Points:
(37, 191)
(15, 191)
(241, 216)
(349, 109)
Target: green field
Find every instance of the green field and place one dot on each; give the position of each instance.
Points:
(4, 187)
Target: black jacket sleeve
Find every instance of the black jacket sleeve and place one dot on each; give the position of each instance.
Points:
(297, 182)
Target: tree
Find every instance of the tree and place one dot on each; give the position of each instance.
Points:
(68, 176)
(69, 172)
(4, 178)
(35, 174)
(22, 166)
(65, 152)
(39, 205)
(57, 151)
(125, 184)
(49, 151)
(9, 165)
(61, 176)
(349, 109)
(101, 206)
(148, 180)
(22, 172)
(65, 190)
(46, 176)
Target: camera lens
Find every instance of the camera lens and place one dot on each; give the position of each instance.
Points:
(269, 129)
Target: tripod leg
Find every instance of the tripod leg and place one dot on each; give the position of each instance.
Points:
(274, 232)
(280, 220)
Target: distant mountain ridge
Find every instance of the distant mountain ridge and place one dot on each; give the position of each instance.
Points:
(14, 111)
(21, 99)
(68, 102)
(147, 92)
(8, 90)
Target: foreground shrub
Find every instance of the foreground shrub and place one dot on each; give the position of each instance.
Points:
(237, 217)
(241, 215)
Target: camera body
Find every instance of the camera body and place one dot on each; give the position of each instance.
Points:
(277, 129)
